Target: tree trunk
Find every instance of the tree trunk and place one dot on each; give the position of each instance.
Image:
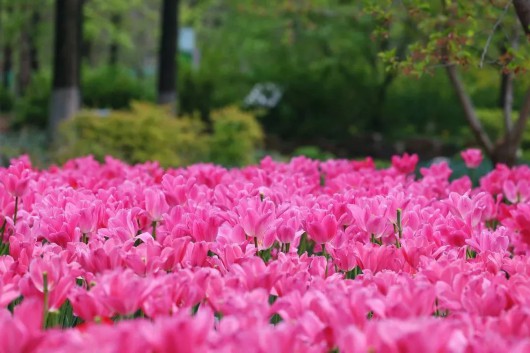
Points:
(505, 152)
(506, 100)
(33, 53)
(469, 110)
(113, 50)
(65, 100)
(7, 66)
(79, 43)
(377, 121)
(522, 9)
(24, 68)
(167, 64)
(506, 93)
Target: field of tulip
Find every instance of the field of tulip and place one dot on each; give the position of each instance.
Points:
(304, 256)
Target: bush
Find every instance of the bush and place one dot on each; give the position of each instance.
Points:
(195, 93)
(492, 120)
(150, 132)
(112, 87)
(146, 132)
(32, 109)
(313, 152)
(236, 135)
(6, 100)
(26, 141)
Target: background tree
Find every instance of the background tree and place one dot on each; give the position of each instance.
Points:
(65, 99)
(467, 34)
(167, 69)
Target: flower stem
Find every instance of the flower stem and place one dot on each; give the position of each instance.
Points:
(16, 210)
(153, 224)
(46, 299)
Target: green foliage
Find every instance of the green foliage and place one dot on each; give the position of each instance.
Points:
(26, 141)
(313, 152)
(6, 100)
(150, 132)
(319, 53)
(492, 120)
(326, 61)
(235, 138)
(466, 33)
(105, 87)
(33, 108)
(112, 87)
(195, 92)
(419, 106)
(146, 132)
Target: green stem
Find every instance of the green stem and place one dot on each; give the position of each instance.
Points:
(46, 299)
(375, 241)
(399, 224)
(325, 254)
(16, 210)
(153, 224)
(3, 229)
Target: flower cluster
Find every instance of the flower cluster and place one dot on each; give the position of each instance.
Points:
(304, 256)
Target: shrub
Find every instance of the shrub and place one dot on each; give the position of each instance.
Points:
(492, 120)
(146, 132)
(195, 93)
(25, 141)
(150, 132)
(236, 135)
(6, 100)
(32, 109)
(112, 87)
(313, 152)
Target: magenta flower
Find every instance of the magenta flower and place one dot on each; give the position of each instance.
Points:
(405, 164)
(472, 157)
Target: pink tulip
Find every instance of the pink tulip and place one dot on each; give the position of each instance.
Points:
(405, 164)
(472, 157)
(155, 204)
(320, 226)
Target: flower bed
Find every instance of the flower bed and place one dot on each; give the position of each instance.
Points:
(303, 256)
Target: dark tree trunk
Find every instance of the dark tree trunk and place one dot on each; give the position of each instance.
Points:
(28, 56)
(65, 99)
(24, 68)
(33, 53)
(7, 66)
(79, 42)
(377, 123)
(86, 45)
(522, 8)
(114, 48)
(469, 110)
(167, 64)
(506, 94)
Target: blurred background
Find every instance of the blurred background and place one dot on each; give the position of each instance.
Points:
(230, 81)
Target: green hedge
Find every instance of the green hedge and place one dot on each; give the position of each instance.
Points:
(150, 132)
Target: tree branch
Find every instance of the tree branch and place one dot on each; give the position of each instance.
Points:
(507, 100)
(469, 110)
(518, 130)
(493, 30)
(522, 8)
(507, 90)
